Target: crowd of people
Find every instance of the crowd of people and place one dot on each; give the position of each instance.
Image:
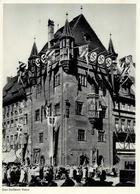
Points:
(21, 175)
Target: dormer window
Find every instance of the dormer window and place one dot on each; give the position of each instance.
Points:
(87, 37)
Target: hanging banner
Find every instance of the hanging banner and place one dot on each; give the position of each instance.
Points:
(108, 61)
(128, 59)
(101, 59)
(93, 56)
(50, 136)
(53, 125)
(83, 50)
(37, 62)
(51, 120)
(44, 58)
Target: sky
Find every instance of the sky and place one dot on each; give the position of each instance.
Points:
(24, 22)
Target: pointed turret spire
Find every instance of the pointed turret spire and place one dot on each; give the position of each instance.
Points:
(34, 51)
(66, 46)
(111, 48)
(67, 30)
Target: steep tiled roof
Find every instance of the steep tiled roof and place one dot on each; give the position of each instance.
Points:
(82, 33)
(13, 91)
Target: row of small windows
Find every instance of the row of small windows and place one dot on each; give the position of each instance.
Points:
(12, 113)
(66, 43)
(124, 106)
(15, 122)
(124, 125)
(12, 146)
(41, 113)
(12, 140)
(81, 136)
(82, 80)
(14, 109)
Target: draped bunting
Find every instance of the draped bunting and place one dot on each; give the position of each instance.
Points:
(53, 127)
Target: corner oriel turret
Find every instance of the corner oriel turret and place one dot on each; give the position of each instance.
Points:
(31, 62)
(66, 47)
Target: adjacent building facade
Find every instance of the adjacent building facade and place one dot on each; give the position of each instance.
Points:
(72, 110)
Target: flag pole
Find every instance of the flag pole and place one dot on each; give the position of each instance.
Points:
(52, 140)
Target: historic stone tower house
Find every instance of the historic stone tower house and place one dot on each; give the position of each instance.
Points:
(71, 106)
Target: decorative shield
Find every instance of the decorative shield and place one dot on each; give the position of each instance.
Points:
(93, 56)
(51, 120)
(101, 59)
(37, 62)
(108, 61)
(44, 58)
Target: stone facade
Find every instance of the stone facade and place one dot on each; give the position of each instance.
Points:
(64, 94)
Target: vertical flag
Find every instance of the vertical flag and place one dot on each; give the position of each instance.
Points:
(19, 133)
(46, 111)
(83, 52)
(95, 58)
(132, 89)
(102, 63)
(51, 120)
(47, 59)
(128, 70)
(131, 70)
(124, 64)
(37, 62)
(25, 144)
(109, 69)
(21, 72)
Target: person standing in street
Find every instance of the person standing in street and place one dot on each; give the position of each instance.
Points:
(68, 182)
(22, 176)
(8, 176)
